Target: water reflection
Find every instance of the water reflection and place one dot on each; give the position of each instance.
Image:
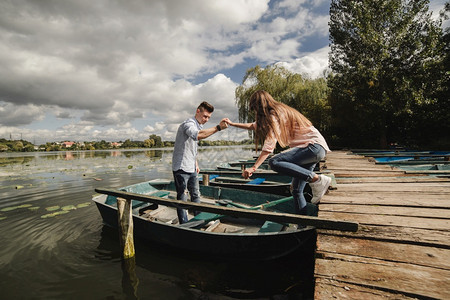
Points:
(130, 281)
(206, 155)
(4, 161)
(178, 272)
(70, 256)
(26, 158)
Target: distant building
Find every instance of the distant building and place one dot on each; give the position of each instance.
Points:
(67, 144)
(116, 145)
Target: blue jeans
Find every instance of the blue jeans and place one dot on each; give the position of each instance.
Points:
(185, 182)
(298, 163)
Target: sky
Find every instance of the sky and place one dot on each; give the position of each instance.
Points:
(83, 70)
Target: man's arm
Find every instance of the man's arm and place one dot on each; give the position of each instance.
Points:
(204, 133)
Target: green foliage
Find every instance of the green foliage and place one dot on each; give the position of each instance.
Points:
(16, 145)
(308, 96)
(157, 142)
(102, 145)
(386, 58)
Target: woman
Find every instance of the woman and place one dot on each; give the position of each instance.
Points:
(276, 121)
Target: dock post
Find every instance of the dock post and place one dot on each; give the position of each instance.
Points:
(205, 179)
(125, 219)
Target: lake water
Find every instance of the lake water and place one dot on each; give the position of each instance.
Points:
(54, 245)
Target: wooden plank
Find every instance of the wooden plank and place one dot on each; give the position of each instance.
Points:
(401, 221)
(402, 247)
(395, 252)
(428, 172)
(410, 199)
(369, 168)
(414, 155)
(352, 173)
(238, 212)
(332, 289)
(399, 210)
(382, 179)
(213, 226)
(414, 162)
(425, 187)
(411, 280)
(406, 235)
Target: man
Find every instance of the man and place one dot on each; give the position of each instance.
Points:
(184, 162)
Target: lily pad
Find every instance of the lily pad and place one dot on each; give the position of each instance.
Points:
(52, 208)
(2, 218)
(68, 207)
(85, 204)
(61, 212)
(9, 208)
(24, 206)
(33, 208)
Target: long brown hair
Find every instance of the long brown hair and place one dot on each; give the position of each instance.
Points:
(265, 108)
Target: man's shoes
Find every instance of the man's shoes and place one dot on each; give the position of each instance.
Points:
(319, 188)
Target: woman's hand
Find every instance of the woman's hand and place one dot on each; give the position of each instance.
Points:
(248, 172)
(228, 121)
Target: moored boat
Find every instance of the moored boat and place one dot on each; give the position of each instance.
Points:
(258, 184)
(268, 175)
(209, 233)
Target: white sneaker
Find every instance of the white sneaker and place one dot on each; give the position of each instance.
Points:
(319, 188)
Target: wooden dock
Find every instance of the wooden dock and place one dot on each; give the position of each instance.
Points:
(402, 247)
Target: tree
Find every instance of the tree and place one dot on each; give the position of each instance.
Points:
(149, 143)
(385, 59)
(157, 140)
(308, 96)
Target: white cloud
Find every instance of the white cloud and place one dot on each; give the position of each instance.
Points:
(17, 115)
(100, 68)
(312, 64)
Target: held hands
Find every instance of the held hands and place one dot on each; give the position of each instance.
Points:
(228, 121)
(223, 123)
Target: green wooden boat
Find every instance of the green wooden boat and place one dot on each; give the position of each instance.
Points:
(209, 233)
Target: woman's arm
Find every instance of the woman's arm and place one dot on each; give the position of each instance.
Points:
(248, 126)
(249, 171)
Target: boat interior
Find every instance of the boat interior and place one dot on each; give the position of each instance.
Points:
(202, 220)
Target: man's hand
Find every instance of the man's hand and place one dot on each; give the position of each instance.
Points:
(223, 124)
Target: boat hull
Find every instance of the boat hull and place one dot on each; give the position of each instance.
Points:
(258, 246)
(236, 246)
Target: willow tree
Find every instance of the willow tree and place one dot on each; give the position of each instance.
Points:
(308, 96)
(385, 57)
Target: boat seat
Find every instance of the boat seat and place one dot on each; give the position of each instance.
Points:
(270, 226)
(202, 216)
(256, 181)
